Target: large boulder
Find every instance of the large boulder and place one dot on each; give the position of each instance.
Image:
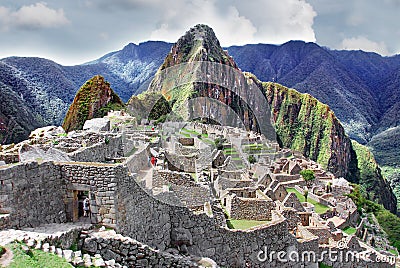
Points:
(97, 125)
(47, 132)
(29, 153)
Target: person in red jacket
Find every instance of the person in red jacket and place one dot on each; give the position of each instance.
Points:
(153, 160)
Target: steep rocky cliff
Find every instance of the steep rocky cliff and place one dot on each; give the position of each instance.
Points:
(94, 99)
(306, 125)
(370, 177)
(309, 126)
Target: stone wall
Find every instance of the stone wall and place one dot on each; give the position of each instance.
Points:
(146, 219)
(138, 161)
(32, 193)
(181, 162)
(183, 186)
(250, 208)
(9, 158)
(284, 177)
(323, 233)
(186, 141)
(129, 252)
(101, 180)
(166, 177)
(100, 152)
(292, 217)
(291, 200)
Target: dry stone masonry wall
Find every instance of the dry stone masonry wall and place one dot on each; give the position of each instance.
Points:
(33, 194)
(160, 225)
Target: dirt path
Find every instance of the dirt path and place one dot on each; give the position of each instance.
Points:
(6, 258)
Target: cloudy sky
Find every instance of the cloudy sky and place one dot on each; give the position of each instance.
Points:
(77, 31)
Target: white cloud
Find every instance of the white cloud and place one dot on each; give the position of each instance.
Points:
(363, 43)
(33, 16)
(239, 22)
(4, 12)
(230, 27)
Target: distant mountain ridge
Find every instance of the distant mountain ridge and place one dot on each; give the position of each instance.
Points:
(363, 89)
(42, 90)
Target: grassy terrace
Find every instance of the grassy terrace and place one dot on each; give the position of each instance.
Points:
(190, 131)
(349, 230)
(35, 258)
(230, 151)
(319, 208)
(243, 224)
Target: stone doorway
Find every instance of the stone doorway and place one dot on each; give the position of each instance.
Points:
(74, 204)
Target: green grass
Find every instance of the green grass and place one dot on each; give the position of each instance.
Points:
(230, 153)
(153, 139)
(35, 258)
(322, 265)
(389, 222)
(208, 141)
(243, 224)
(190, 131)
(350, 230)
(194, 176)
(393, 251)
(319, 208)
(185, 134)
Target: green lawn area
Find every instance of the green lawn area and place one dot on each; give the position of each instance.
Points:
(185, 134)
(208, 141)
(243, 224)
(35, 258)
(319, 208)
(323, 265)
(394, 252)
(191, 131)
(230, 153)
(350, 230)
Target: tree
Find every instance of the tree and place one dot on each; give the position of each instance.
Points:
(305, 194)
(329, 187)
(219, 143)
(252, 159)
(308, 176)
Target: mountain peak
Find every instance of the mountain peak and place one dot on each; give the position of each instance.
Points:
(198, 44)
(94, 99)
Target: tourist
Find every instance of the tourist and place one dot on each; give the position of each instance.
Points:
(86, 207)
(153, 160)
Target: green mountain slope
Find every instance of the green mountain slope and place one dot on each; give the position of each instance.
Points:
(94, 99)
(306, 125)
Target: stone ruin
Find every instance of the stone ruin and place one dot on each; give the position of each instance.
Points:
(169, 215)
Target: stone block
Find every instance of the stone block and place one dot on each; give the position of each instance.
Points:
(68, 255)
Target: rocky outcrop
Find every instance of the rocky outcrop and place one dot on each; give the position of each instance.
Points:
(149, 105)
(94, 99)
(308, 126)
